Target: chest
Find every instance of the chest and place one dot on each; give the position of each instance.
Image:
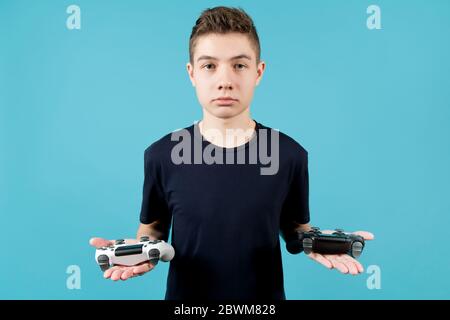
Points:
(225, 193)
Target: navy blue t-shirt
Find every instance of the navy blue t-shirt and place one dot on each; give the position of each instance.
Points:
(225, 217)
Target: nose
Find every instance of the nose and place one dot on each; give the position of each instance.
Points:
(225, 82)
(225, 85)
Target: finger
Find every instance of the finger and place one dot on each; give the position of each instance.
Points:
(336, 264)
(100, 242)
(131, 241)
(321, 259)
(107, 273)
(345, 259)
(357, 264)
(116, 274)
(365, 234)
(128, 273)
(143, 268)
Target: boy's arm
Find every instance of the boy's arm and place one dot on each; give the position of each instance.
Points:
(290, 230)
(302, 227)
(156, 230)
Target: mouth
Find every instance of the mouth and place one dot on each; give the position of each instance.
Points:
(225, 101)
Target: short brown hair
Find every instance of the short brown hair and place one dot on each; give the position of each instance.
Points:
(224, 20)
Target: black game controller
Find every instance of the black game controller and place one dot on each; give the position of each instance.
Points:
(336, 243)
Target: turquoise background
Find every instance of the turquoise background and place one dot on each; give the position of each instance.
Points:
(78, 108)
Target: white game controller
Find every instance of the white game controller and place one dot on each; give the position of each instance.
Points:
(133, 254)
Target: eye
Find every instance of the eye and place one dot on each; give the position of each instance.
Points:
(209, 66)
(240, 66)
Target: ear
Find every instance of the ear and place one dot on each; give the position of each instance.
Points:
(190, 71)
(260, 71)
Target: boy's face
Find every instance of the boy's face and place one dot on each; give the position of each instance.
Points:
(224, 66)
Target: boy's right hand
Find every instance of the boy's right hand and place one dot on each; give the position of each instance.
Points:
(121, 272)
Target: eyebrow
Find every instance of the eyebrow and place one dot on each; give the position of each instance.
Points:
(241, 56)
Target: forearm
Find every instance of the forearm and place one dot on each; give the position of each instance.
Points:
(155, 231)
(302, 227)
(288, 231)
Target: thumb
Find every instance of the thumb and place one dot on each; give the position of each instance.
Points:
(100, 242)
(365, 234)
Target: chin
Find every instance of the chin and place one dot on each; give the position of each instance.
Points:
(225, 112)
(225, 115)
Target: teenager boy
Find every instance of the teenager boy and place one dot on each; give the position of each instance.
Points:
(228, 185)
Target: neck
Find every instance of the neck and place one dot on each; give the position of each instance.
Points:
(227, 132)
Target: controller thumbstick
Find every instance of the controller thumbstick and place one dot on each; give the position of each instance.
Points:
(144, 238)
(120, 241)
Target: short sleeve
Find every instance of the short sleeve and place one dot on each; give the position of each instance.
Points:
(296, 205)
(154, 205)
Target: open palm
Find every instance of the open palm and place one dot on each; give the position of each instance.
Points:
(121, 272)
(342, 262)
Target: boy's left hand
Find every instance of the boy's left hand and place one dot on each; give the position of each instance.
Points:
(342, 262)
